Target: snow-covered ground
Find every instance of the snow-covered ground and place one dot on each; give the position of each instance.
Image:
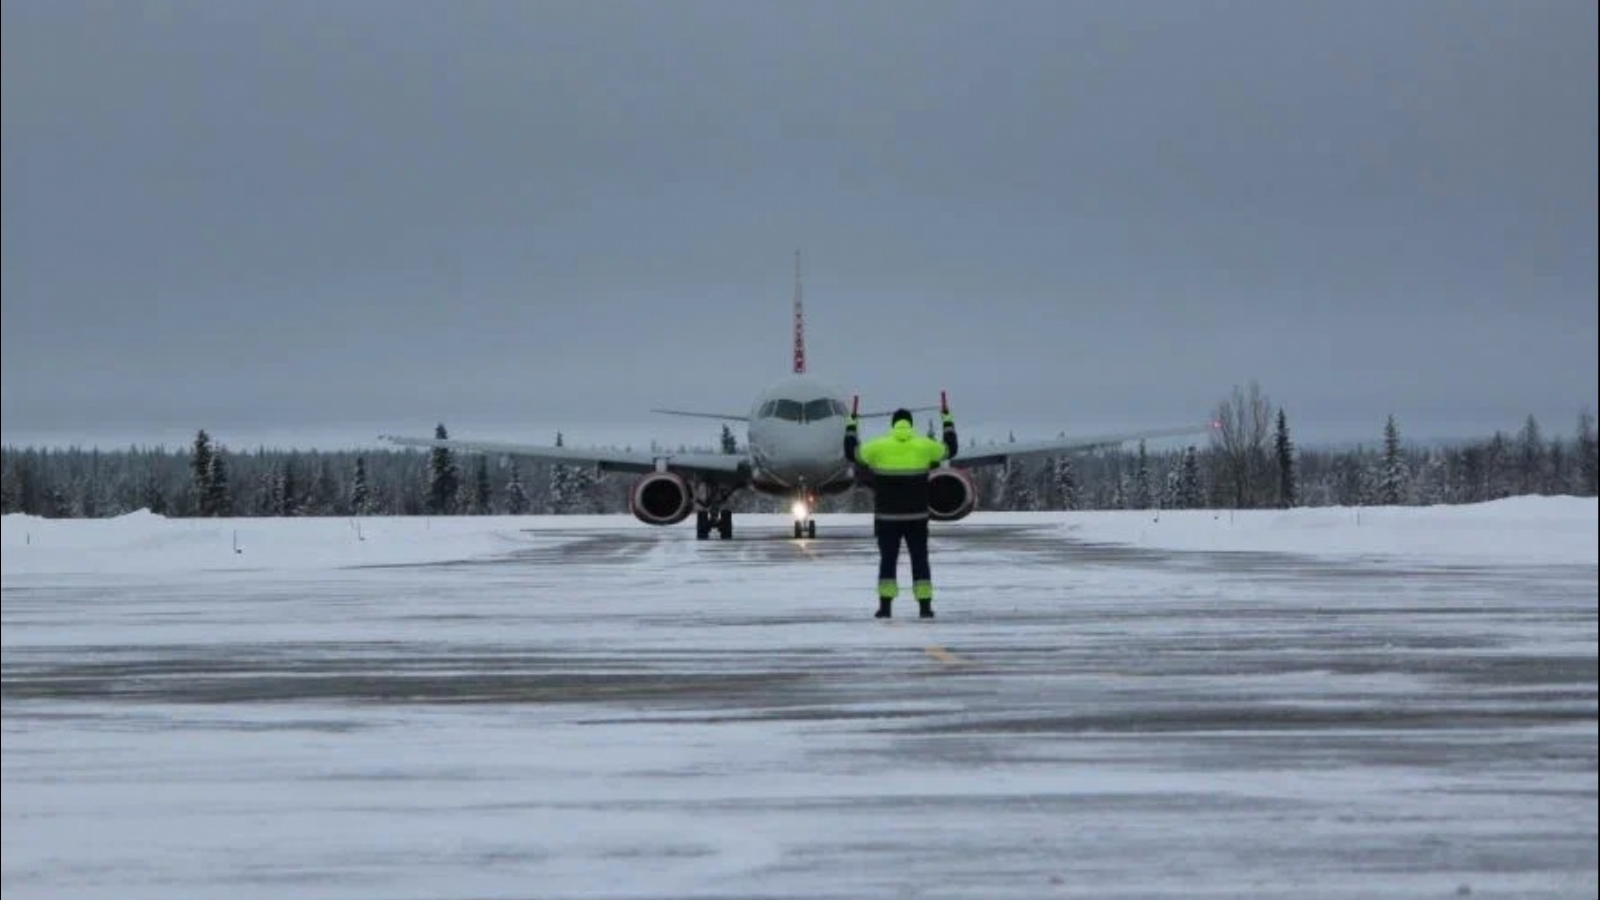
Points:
(1389, 702)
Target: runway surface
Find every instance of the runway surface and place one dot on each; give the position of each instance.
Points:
(595, 714)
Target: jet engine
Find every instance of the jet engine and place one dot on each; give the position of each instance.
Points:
(951, 494)
(661, 498)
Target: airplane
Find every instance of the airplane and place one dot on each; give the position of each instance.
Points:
(794, 449)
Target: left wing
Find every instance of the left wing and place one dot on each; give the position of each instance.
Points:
(997, 454)
(719, 466)
(886, 413)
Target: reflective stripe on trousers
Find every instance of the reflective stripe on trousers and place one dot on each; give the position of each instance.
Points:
(915, 534)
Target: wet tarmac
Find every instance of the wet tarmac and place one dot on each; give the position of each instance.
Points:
(639, 714)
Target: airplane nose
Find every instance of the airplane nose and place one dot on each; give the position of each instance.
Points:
(811, 461)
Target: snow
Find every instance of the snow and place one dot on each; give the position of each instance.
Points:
(1376, 702)
(1515, 530)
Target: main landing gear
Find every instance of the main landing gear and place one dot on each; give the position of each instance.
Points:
(711, 512)
(709, 520)
(806, 529)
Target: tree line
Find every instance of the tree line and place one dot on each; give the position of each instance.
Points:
(1249, 461)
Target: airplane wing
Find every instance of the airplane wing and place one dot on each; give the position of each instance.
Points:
(701, 415)
(719, 466)
(997, 454)
(886, 413)
(878, 414)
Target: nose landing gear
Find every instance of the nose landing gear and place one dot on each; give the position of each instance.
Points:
(804, 525)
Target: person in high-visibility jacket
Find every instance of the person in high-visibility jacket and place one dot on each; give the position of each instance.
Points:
(898, 463)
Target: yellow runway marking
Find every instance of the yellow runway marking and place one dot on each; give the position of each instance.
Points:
(944, 656)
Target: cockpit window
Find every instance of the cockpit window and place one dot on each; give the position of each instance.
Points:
(817, 410)
(795, 411)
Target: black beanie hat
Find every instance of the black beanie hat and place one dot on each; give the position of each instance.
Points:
(899, 414)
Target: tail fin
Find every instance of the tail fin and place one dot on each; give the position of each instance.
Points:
(799, 321)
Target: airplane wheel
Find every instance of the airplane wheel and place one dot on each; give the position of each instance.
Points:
(811, 529)
(702, 525)
(799, 531)
(725, 524)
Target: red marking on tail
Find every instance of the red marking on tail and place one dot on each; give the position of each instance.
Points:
(799, 321)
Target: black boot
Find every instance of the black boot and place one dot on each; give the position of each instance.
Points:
(926, 611)
(883, 608)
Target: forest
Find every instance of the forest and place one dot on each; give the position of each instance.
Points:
(1249, 460)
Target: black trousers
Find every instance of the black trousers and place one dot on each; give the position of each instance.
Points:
(915, 534)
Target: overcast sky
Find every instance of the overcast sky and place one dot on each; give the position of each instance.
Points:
(300, 217)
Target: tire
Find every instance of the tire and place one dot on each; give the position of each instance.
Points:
(725, 524)
(702, 525)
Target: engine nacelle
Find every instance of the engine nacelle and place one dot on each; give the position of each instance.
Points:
(661, 498)
(951, 495)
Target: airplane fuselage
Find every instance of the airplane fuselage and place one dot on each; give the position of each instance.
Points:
(796, 439)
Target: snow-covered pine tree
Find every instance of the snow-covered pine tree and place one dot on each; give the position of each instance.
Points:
(574, 489)
(88, 497)
(1020, 486)
(585, 490)
(1283, 449)
(1065, 482)
(1588, 457)
(516, 493)
(9, 501)
(152, 497)
(1140, 493)
(561, 487)
(219, 496)
(200, 470)
(482, 498)
(1557, 470)
(1433, 480)
(1498, 468)
(360, 492)
(1350, 478)
(1530, 458)
(268, 491)
(1001, 495)
(323, 498)
(1191, 494)
(444, 477)
(1392, 481)
(287, 492)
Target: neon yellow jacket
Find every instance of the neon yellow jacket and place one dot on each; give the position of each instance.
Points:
(899, 462)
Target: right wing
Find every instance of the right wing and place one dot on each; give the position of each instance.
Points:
(718, 466)
(996, 454)
(701, 415)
